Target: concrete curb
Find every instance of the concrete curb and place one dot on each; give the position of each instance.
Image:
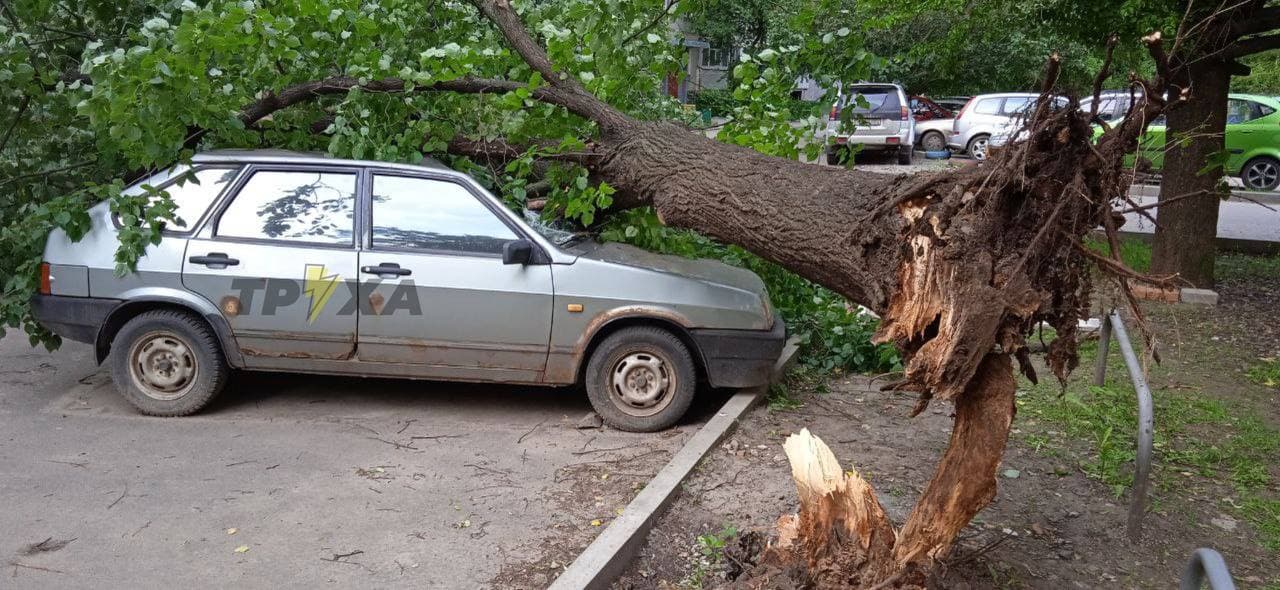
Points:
(612, 551)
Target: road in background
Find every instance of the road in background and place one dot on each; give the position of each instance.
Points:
(1239, 218)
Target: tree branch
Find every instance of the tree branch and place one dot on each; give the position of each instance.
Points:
(571, 95)
(1261, 21)
(653, 23)
(1252, 45)
(503, 151)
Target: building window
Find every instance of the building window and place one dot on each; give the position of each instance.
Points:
(718, 57)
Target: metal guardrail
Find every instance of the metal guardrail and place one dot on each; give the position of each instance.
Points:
(1205, 564)
(1146, 413)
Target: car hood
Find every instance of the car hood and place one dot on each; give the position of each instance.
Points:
(701, 269)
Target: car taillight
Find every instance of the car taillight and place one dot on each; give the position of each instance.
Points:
(955, 125)
(906, 113)
(45, 281)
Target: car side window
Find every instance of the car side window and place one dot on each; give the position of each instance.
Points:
(1263, 110)
(426, 214)
(1014, 106)
(315, 207)
(987, 106)
(1239, 111)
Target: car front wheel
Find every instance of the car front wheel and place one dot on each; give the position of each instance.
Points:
(1261, 174)
(168, 363)
(641, 379)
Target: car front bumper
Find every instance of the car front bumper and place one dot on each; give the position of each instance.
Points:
(740, 358)
(73, 318)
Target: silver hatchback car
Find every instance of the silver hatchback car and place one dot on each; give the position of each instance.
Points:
(299, 263)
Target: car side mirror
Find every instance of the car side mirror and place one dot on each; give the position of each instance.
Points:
(517, 252)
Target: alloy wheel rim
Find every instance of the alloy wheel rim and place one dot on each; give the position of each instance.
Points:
(980, 149)
(163, 366)
(1262, 174)
(641, 384)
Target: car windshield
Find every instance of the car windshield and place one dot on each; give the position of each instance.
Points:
(554, 230)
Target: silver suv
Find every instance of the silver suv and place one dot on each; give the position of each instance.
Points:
(873, 117)
(987, 115)
(299, 263)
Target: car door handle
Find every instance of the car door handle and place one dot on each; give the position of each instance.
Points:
(386, 268)
(214, 260)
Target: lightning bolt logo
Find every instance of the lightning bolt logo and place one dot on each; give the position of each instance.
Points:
(319, 287)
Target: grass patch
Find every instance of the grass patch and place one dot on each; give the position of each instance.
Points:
(1233, 265)
(1206, 437)
(1266, 373)
(1135, 253)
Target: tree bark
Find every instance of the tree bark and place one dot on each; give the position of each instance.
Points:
(1187, 228)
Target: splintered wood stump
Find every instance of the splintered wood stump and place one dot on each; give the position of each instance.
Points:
(841, 537)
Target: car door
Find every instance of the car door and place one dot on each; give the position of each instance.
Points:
(1250, 127)
(279, 262)
(436, 292)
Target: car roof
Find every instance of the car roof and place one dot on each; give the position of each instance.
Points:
(293, 157)
(1008, 95)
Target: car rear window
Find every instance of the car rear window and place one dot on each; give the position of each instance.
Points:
(193, 192)
(880, 100)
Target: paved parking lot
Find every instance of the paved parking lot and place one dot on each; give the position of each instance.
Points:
(374, 483)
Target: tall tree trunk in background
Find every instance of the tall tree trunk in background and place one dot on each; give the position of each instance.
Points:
(1184, 240)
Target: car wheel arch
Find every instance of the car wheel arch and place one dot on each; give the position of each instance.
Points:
(628, 321)
(133, 308)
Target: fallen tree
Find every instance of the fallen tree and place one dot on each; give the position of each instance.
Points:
(960, 267)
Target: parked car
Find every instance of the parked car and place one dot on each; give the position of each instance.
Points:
(931, 136)
(299, 263)
(952, 103)
(872, 117)
(987, 115)
(1113, 105)
(923, 109)
(1252, 141)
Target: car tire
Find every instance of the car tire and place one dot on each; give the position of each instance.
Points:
(1261, 173)
(904, 155)
(833, 156)
(933, 141)
(168, 363)
(641, 379)
(977, 147)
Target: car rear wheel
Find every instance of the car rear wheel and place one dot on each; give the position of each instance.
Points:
(1261, 174)
(978, 147)
(833, 156)
(904, 155)
(933, 141)
(168, 363)
(641, 379)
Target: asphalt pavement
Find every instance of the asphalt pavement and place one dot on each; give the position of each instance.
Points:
(1245, 216)
(287, 481)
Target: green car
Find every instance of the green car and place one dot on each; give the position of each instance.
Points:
(1252, 139)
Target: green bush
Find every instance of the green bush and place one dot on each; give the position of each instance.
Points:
(721, 104)
(835, 334)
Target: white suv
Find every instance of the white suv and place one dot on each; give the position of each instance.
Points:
(987, 115)
(880, 121)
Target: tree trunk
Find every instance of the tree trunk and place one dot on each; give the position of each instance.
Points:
(1187, 228)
